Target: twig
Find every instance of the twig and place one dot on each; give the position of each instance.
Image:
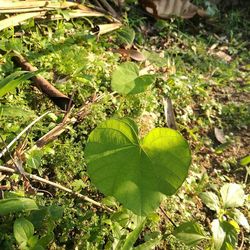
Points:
(59, 186)
(242, 241)
(165, 214)
(21, 133)
(169, 113)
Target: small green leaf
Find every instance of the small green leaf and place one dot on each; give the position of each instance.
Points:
(12, 81)
(78, 185)
(137, 173)
(232, 195)
(126, 79)
(190, 233)
(23, 230)
(14, 205)
(225, 235)
(56, 212)
(211, 200)
(241, 219)
(133, 236)
(245, 161)
(34, 158)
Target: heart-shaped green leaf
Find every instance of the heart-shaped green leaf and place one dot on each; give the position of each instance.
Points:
(126, 79)
(137, 173)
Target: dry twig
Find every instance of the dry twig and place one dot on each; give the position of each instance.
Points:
(59, 186)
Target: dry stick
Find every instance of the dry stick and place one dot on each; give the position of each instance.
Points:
(42, 84)
(59, 186)
(169, 112)
(21, 133)
(243, 239)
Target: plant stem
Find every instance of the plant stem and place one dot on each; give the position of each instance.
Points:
(59, 186)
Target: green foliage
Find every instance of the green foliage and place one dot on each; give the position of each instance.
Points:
(190, 233)
(232, 195)
(23, 231)
(126, 79)
(136, 172)
(211, 200)
(133, 236)
(14, 205)
(224, 235)
(12, 81)
(206, 92)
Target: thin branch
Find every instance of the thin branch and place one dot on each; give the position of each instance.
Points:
(21, 133)
(242, 240)
(59, 186)
(165, 214)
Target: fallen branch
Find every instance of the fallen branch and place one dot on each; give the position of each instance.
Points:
(59, 186)
(42, 84)
(61, 127)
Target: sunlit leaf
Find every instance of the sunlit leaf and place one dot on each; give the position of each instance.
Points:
(232, 195)
(225, 235)
(211, 200)
(137, 173)
(126, 79)
(241, 219)
(245, 161)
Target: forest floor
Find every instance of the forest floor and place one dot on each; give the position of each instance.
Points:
(204, 68)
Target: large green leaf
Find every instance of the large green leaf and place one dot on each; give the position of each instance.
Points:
(23, 230)
(137, 173)
(225, 235)
(12, 81)
(190, 233)
(126, 79)
(13, 205)
(232, 195)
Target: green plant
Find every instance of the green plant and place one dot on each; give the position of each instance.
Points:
(137, 172)
(41, 220)
(225, 227)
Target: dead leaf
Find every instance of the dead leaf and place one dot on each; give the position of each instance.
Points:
(222, 55)
(219, 135)
(105, 28)
(168, 8)
(132, 53)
